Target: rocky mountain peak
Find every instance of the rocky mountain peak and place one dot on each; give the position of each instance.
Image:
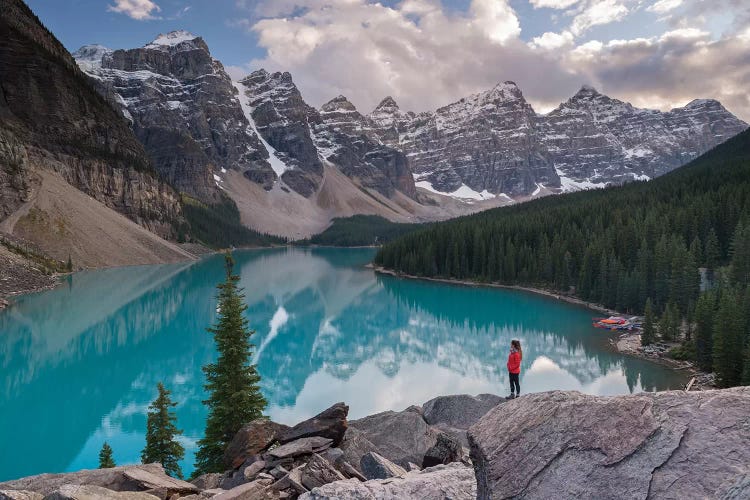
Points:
(586, 91)
(338, 104)
(387, 105)
(90, 56)
(173, 39)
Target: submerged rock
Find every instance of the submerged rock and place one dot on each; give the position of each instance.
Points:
(330, 423)
(569, 445)
(448, 482)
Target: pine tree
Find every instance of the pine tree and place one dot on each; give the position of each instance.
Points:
(105, 457)
(161, 430)
(728, 340)
(232, 382)
(648, 336)
(705, 310)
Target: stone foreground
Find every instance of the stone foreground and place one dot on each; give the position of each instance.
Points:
(655, 445)
(562, 445)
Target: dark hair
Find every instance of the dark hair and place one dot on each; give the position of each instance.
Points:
(517, 346)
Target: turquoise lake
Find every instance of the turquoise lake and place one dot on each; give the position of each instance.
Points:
(79, 364)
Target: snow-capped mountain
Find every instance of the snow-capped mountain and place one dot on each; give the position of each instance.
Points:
(183, 108)
(344, 137)
(207, 135)
(493, 143)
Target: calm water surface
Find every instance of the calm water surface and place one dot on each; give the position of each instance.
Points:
(79, 364)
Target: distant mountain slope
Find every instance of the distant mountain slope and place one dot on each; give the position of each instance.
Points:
(493, 142)
(51, 118)
(617, 246)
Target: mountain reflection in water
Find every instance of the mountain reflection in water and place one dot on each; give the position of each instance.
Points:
(80, 364)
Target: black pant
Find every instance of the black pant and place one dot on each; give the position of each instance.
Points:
(515, 387)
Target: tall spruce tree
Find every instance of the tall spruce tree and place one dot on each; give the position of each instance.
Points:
(232, 381)
(105, 457)
(648, 335)
(728, 339)
(161, 430)
(705, 310)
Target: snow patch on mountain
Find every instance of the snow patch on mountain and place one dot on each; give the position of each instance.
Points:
(463, 193)
(278, 166)
(171, 39)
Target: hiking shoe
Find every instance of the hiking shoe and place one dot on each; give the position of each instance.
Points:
(512, 396)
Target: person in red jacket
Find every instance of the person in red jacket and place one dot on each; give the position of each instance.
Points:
(514, 368)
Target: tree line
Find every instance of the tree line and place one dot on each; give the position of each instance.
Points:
(654, 243)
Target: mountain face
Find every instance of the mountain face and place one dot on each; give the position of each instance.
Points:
(183, 108)
(284, 120)
(343, 137)
(52, 119)
(493, 142)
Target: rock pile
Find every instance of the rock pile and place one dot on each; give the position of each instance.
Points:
(327, 456)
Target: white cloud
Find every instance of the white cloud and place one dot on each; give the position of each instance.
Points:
(426, 57)
(551, 41)
(597, 13)
(137, 9)
(553, 4)
(664, 6)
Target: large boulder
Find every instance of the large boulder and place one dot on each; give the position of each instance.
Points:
(330, 423)
(447, 449)
(89, 492)
(374, 466)
(250, 440)
(569, 445)
(448, 482)
(356, 445)
(459, 411)
(126, 478)
(401, 437)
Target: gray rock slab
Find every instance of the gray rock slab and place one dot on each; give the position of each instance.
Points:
(401, 437)
(651, 445)
(459, 411)
(445, 482)
(90, 492)
(374, 466)
(125, 478)
(301, 447)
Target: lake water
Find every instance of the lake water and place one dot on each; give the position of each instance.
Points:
(79, 364)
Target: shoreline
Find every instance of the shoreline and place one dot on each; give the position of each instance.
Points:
(625, 343)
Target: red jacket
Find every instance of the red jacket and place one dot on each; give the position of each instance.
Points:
(514, 362)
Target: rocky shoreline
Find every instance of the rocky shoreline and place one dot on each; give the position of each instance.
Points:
(548, 445)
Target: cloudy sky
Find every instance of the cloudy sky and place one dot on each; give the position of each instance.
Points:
(428, 53)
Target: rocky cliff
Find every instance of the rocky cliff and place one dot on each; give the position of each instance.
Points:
(183, 108)
(494, 143)
(51, 118)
